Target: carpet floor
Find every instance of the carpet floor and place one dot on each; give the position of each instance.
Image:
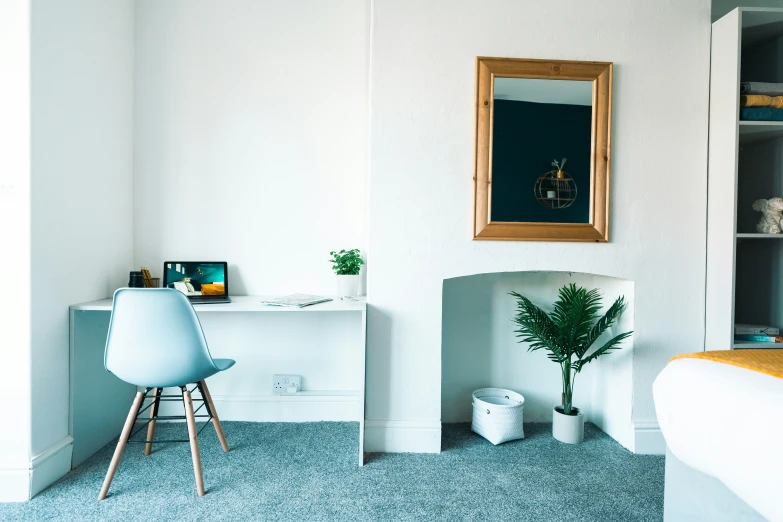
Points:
(309, 472)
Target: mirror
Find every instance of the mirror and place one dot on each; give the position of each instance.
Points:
(542, 150)
(537, 123)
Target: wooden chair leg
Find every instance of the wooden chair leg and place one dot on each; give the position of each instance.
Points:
(215, 420)
(153, 413)
(193, 435)
(126, 431)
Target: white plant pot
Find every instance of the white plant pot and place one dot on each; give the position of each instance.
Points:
(568, 428)
(347, 285)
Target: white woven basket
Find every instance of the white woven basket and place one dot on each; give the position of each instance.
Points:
(497, 415)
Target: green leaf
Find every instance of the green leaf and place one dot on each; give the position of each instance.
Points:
(556, 358)
(611, 344)
(575, 311)
(536, 327)
(603, 324)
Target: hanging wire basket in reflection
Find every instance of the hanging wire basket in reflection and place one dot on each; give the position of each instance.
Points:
(556, 189)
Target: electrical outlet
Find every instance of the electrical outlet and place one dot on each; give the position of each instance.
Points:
(286, 384)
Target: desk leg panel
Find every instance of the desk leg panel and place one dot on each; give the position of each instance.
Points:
(99, 400)
(363, 390)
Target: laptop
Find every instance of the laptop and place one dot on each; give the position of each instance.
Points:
(204, 282)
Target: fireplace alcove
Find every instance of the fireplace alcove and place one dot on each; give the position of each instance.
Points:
(479, 349)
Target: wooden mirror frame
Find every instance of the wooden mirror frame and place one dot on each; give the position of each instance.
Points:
(600, 73)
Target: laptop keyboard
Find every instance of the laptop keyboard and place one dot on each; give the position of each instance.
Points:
(201, 300)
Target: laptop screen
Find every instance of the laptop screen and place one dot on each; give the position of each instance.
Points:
(196, 278)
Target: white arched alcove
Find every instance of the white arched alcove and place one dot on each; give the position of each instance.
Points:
(480, 349)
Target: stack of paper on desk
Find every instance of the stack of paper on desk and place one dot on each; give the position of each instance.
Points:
(297, 300)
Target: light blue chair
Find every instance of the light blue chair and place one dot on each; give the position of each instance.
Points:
(155, 341)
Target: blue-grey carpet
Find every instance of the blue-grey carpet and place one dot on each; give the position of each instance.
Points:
(309, 472)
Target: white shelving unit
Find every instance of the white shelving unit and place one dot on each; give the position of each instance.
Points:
(744, 268)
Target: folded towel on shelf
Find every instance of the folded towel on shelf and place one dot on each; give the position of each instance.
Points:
(761, 114)
(770, 89)
(776, 102)
(761, 100)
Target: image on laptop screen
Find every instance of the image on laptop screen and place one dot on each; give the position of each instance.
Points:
(196, 278)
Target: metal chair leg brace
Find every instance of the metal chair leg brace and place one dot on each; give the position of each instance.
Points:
(154, 404)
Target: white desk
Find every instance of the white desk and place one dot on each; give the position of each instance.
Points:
(325, 343)
(250, 303)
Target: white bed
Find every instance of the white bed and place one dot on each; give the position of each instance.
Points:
(725, 422)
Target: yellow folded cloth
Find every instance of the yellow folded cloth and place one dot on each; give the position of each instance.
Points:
(761, 100)
(762, 361)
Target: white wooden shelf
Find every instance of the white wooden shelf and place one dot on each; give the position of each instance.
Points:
(759, 236)
(749, 124)
(757, 131)
(756, 345)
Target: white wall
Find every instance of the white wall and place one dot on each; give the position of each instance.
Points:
(251, 137)
(81, 191)
(480, 349)
(15, 258)
(421, 150)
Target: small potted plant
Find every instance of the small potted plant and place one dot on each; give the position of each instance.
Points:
(347, 264)
(568, 334)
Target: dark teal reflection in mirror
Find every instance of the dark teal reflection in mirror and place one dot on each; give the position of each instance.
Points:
(536, 122)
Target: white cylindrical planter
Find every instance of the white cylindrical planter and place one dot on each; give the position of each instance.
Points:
(568, 428)
(347, 285)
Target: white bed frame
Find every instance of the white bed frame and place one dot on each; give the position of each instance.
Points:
(692, 496)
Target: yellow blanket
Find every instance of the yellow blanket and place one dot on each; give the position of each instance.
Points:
(762, 361)
(761, 100)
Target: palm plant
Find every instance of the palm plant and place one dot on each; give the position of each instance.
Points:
(569, 332)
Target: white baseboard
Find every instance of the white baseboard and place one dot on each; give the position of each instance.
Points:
(50, 465)
(279, 408)
(379, 435)
(25, 480)
(648, 439)
(402, 436)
